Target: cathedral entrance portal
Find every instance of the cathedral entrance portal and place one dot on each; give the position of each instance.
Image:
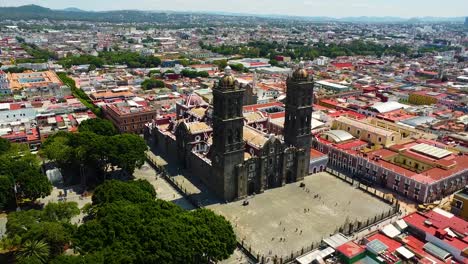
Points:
(251, 188)
(289, 177)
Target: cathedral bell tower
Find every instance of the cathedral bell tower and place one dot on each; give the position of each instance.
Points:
(228, 144)
(298, 116)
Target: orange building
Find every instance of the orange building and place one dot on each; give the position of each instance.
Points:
(30, 79)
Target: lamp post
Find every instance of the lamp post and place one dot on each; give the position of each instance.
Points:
(16, 191)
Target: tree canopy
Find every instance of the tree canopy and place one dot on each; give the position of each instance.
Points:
(51, 226)
(297, 50)
(4, 145)
(20, 170)
(113, 191)
(95, 152)
(129, 226)
(98, 126)
(194, 74)
(131, 59)
(80, 94)
(151, 83)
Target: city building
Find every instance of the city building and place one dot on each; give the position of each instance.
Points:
(129, 116)
(229, 150)
(4, 84)
(460, 203)
(31, 80)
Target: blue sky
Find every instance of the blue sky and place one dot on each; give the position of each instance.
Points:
(333, 8)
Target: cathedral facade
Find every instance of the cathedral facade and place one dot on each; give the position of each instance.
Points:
(232, 157)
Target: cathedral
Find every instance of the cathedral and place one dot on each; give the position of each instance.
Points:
(233, 152)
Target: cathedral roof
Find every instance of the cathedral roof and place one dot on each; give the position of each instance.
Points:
(254, 117)
(254, 137)
(198, 127)
(198, 112)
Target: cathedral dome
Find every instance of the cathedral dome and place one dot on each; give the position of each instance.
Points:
(227, 80)
(300, 74)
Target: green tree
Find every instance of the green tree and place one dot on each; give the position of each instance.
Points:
(128, 152)
(51, 225)
(152, 83)
(114, 190)
(7, 195)
(20, 168)
(71, 151)
(60, 212)
(80, 94)
(4, 145)
(98, 126)
(32, 184)
(221, 64)
(184, 62)
(33, 252)
(130, 227)
(58, 149)
(237, 67)
(274, 62)
(194, 74)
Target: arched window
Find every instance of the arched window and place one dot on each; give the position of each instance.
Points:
(229, 136)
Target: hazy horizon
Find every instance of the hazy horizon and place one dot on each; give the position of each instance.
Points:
(330, 8)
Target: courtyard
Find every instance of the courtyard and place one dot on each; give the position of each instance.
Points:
(284, 220)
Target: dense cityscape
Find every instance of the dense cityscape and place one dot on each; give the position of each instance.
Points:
(194, 137)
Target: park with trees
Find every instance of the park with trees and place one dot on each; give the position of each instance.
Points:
(131, 59)
(303, 51)
(94, 152)
(21, 180)
(125, 223)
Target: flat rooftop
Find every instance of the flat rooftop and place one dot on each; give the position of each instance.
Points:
(277, 213)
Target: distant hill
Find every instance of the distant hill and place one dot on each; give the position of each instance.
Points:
(121, 16)
(73, 9)
(38, 12)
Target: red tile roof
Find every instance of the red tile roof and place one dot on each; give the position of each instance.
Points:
(352, 144)
(439, 222)
(350, 249)
(342, 64)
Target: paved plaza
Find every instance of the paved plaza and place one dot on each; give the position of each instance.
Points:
(284, 220)
(164, 190)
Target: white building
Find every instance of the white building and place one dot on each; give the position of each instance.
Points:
(4, 84)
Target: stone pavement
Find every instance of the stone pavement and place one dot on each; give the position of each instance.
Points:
(189, 185)
(164, 190)
(73, 195)
(284, 220)
(238, 257)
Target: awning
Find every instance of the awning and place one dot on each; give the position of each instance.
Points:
(401, 224)
(405, 252)
(436, 251)
(390, 231)
(336, 240)
(316, 254)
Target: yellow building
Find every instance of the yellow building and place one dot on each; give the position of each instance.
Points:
(421, 99)
(405, 131)
(366, 131)
(460, 204)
